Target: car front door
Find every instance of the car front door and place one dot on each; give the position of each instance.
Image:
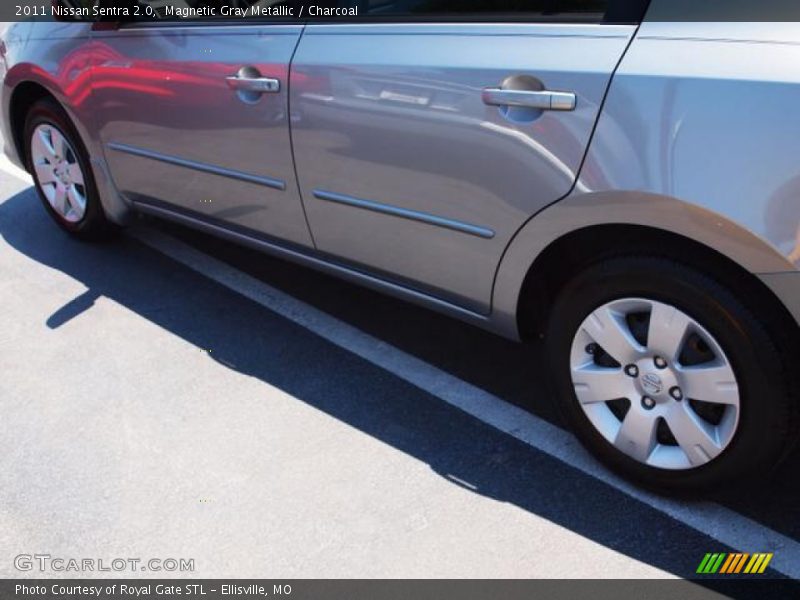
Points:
(194, 118)
(422, 147)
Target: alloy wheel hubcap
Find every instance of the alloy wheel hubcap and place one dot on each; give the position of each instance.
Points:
(655, 383)
(58, 172)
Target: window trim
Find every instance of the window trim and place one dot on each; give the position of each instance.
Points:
(619, 12)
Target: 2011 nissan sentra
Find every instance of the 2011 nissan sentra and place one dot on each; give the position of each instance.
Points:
(625, 186)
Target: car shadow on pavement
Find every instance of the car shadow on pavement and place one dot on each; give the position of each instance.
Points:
(460, 448)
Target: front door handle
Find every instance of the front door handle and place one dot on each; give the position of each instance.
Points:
(543, 100)
(260, 85)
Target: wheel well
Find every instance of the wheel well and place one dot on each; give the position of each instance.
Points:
(24, 96)
(566, 256)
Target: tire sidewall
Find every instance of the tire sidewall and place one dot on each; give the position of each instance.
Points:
(746, 345)
(49, 113)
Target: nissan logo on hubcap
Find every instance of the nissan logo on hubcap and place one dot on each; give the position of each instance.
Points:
(651, 383)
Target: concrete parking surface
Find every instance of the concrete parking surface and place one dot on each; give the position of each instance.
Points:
(167, 395)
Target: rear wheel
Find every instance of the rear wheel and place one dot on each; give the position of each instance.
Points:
(666, 376)
(60, 167)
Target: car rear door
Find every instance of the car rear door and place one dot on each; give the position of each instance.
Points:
(193, 117)
(426, 134)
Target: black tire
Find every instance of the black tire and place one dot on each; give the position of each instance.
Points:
(93, 226)
(768, 410)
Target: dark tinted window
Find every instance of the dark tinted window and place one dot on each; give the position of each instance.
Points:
(489, 10)
(177, 8)
(542, 8)
(724, 10)
(190, 10)
(395, 8)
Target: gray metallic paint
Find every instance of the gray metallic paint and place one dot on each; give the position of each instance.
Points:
(270, 182)
(719, 95)
(404, 213)
(716, 125)
(313, 261)
(57, 57)
(164, 91)
(698, 136)
(407, 126)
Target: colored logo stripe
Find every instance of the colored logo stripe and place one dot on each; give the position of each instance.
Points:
(758, 564)
(734, 563)
(711, 562)
(728, 562)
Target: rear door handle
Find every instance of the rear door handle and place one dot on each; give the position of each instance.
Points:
(543, 100)
(261, 85)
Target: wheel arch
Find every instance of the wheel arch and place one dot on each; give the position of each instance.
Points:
(23, 97)
(27, 88)
(590, 227)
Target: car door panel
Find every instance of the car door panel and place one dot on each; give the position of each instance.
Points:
(406, 171)
(177, 132)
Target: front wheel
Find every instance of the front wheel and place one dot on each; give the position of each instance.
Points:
(61, 172)
(666, 376)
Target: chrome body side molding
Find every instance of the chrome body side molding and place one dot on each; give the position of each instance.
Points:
(319, 263)
(405, 213)
(270, 182)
